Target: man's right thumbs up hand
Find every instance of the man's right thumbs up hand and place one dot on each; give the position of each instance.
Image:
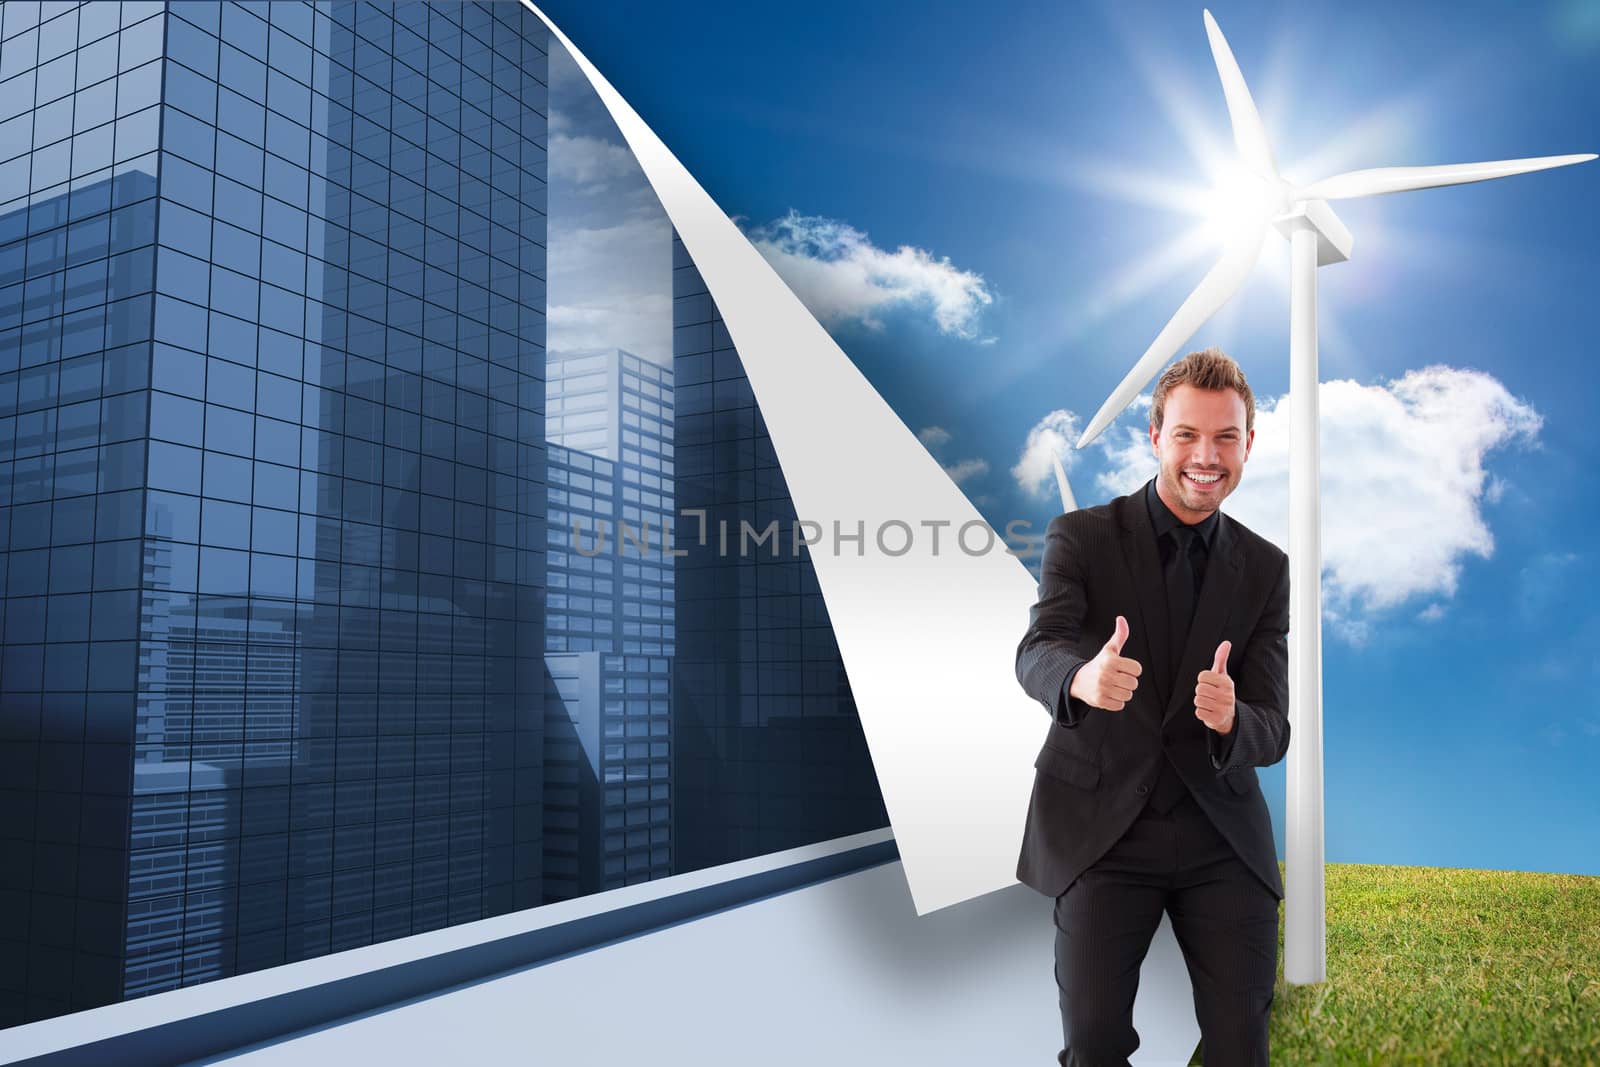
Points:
(1108, 680)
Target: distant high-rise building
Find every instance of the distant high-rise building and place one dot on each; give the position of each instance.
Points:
(610, 424)
(271, 484)
(595, 396)
(770, 752)
(609, 626)
(190, 852)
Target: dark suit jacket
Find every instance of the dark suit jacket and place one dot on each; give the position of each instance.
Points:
(1094, 777)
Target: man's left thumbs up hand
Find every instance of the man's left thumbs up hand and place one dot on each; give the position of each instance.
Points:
(1213, 693)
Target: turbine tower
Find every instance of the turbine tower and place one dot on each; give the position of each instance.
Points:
(1316, 238)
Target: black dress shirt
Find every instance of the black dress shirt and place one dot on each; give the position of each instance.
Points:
(1162, 518)
(1069, 709)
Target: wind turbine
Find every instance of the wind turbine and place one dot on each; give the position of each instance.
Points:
(1316, 238)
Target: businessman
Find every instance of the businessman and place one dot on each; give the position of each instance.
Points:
(1159, 647)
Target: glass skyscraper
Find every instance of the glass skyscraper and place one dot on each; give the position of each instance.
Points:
(271, 484)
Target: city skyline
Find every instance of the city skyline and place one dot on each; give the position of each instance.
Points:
(299, 655)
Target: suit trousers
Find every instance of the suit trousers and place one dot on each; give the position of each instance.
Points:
(1225, 920)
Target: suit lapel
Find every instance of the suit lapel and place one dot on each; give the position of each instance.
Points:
(1144, 569)
(1223, 571)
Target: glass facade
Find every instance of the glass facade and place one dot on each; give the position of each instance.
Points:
(80, 95)
(770, 752)
(271, 484)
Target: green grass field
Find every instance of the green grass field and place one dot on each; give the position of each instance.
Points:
(1432, 965)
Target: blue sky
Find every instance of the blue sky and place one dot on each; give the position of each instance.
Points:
(980, 210)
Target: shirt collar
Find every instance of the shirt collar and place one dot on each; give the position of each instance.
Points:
(1162, 518)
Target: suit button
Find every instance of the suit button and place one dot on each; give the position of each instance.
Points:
(1143, 789)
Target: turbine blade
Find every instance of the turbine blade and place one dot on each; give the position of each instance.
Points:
(1214, 290)
(1403, 179)
(1067, 502)
(1249, 134)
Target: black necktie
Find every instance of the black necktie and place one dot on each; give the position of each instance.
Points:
(1183, 588)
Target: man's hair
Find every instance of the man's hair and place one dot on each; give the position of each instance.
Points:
(1207, 369)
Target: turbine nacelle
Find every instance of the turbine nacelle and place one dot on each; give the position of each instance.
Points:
(1245, 201)
(1334, 239)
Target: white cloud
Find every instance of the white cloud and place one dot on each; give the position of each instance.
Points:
(935, 437)
(590, 162)
(1052, 435)
(841, 276)
(967, 468)
(1403, 483)
(609, 241)
(610, 288)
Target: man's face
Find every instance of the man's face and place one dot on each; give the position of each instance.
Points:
(1202, 446)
